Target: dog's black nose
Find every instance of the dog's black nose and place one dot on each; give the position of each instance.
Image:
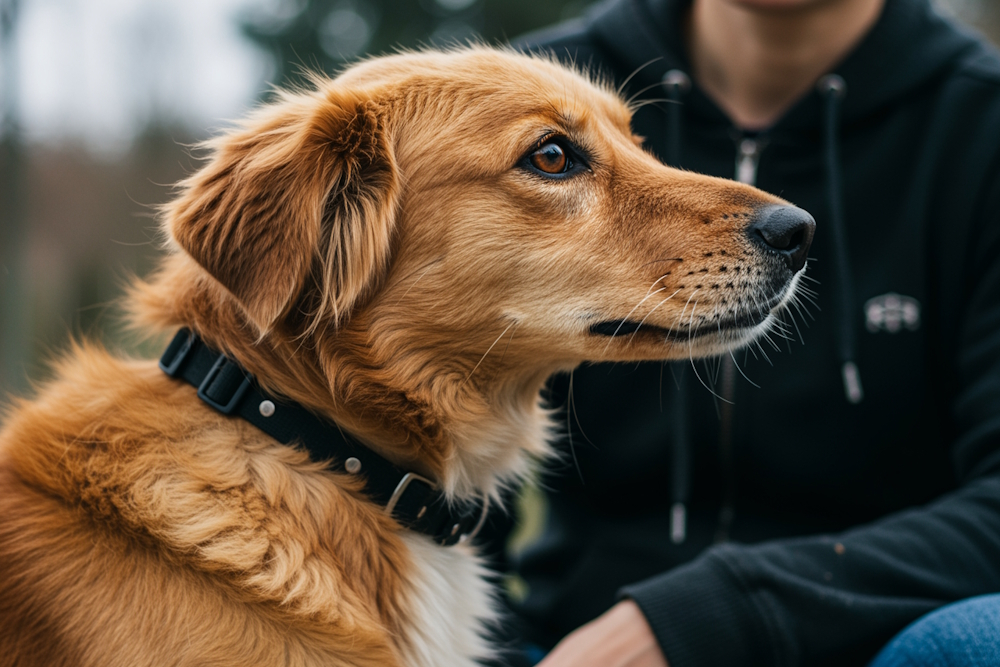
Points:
(785, 230)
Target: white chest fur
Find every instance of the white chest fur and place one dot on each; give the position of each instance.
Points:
(450, 604)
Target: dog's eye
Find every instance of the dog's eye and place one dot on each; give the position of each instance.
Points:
(554, 157)
(550, 158)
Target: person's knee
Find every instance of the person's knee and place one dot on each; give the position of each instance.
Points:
(962, 634)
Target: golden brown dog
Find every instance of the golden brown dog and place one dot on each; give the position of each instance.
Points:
(409, 250)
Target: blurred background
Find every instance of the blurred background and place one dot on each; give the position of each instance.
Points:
(100, 101)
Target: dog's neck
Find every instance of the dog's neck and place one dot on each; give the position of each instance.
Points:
(471, 435)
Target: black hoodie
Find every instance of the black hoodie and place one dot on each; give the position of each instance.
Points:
(822, 516)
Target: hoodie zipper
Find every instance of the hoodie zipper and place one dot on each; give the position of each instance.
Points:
(747, 160)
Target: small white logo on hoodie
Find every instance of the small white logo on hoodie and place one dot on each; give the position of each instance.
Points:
(892, 313)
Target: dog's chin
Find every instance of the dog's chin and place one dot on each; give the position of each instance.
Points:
(719, 337)
(724, 342)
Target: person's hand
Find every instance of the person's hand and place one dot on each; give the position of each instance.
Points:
(619, 638)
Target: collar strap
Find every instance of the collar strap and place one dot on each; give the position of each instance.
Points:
(414, 501)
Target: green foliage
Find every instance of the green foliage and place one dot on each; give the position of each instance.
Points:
(326, 34)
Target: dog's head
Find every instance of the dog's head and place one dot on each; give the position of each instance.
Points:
(437, 233)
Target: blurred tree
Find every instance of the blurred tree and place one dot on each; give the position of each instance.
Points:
(325, 34)
(13, 338)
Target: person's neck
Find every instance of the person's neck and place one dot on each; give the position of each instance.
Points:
(756, 63)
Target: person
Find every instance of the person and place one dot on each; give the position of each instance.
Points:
(801, 502)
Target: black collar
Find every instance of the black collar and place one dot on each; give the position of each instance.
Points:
(414, 501)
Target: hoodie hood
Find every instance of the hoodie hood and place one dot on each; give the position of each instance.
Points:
(886, 65)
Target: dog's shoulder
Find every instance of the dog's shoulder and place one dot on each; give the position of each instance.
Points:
(118, 480)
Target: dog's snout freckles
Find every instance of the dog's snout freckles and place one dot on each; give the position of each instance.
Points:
(706, 283)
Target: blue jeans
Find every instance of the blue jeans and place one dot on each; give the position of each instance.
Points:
(962, 634)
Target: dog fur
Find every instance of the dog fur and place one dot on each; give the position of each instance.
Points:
(377, 249)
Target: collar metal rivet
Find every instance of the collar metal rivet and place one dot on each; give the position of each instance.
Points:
(352, 465)
(266, 408)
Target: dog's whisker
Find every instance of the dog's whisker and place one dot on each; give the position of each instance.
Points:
(423, 273)
(806, 276)
(506, 347)
(766, 335)
(805, 290)
(810, 295)
(793, 303)
(639, 92)
(760, 346)
(789, 338)
(635, 106)
(690, 341)
(622, 323)
(485, 354)
(796, 301)
(650, 292)
(698, 375)
(621, 86)
(723, 337)
(643, 320)
(571, 408)
(680, 317)
(812, 302)
(737, 365)
(691, 319)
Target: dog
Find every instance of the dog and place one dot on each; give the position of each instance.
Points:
(403, 255)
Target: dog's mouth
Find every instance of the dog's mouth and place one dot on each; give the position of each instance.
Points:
(742, 322)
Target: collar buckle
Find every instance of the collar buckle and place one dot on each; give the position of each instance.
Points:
(423, 484)
(224, 386)
(465, 537)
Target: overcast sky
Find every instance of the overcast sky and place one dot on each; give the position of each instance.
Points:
(99, 70)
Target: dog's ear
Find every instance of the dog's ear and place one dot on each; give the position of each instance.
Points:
(308, 184)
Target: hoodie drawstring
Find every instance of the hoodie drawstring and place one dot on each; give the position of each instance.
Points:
(833, 89)
(677, 84)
